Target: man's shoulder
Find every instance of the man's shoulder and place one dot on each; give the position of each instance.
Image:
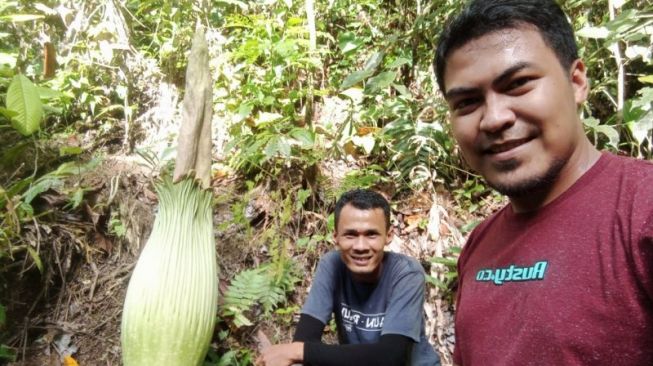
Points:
(331, 259)
(630, 175)
(401, 263)
(628, 166)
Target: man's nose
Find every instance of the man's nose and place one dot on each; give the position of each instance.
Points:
(359, 243)
(497, 113)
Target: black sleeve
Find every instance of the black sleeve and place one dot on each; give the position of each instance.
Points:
(308, 329)
(391, 350)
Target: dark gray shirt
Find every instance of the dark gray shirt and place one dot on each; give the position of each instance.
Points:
(363, 311)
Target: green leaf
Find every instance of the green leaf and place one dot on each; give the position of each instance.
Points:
(285, 48)
(302, 242)
(7, 353)
(18, 186)
(448, 262)
(241, 320)
(610, 132)
(374, 61)
(353, 94)
(284, 147)
(402, 90)
(25, 211)
(591, 122)
(641, 128)
(72, 168)
(622, 23)
(398, 62)
(266, 117)
(646, 79)
(645, 101)
(16, 18)
(42, 185)
(305, 137)
(244, 110)
(355, 78)
(272, 147)
(594, 32)
(23, 97)
(3, 316)
(35, 258)
(47, 93)
(8, 113)
(70, 150)
(347, 42)
(381, 81)
(77, 198)
(7, 4)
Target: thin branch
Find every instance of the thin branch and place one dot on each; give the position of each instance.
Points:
(614, 48)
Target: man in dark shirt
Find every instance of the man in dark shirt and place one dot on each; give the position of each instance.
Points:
(563, 275)
(376, 297)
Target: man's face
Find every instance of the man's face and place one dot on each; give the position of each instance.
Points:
(361, 237)
(514, 109)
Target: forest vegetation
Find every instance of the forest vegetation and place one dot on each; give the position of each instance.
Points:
(310, 99)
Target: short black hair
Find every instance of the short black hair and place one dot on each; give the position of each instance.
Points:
(363, 199)
(481, 17)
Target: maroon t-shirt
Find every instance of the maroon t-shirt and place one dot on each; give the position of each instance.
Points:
(569, 284)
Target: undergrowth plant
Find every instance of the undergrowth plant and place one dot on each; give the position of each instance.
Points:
(448, 281)
(6, 353)
(269, 48)
(615, 42)
(267, 286)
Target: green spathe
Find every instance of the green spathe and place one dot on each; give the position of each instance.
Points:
(171, 301)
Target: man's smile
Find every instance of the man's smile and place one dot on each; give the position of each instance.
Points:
(361, 260)
(506, 145)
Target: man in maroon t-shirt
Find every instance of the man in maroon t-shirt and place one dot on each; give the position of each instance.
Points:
(563, 275)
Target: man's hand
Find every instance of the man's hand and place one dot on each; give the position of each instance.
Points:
(281, 355)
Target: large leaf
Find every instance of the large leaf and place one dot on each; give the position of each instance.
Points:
(374, 61)
(355, 78)
(380, 81)
(305, 137)
(611, 133)
(43, 184)
(23, 98)
(348, 42)
(47, 93)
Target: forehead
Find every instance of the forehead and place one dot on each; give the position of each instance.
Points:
(491, 54)
(359, 219)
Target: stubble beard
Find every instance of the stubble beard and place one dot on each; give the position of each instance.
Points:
(531, 185)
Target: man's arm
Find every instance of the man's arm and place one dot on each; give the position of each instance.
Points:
(392, 349)
(309, 329)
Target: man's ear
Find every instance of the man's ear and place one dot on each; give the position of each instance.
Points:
(389, 235)
(578, 78)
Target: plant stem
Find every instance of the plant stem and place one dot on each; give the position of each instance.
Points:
(614, 48)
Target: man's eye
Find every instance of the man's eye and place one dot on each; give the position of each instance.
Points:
(466, 105)
(517, 83)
